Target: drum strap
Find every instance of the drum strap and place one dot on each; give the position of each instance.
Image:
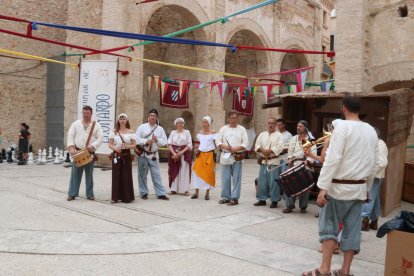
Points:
(90, 133)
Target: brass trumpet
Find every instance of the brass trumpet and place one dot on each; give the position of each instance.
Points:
(306, 144)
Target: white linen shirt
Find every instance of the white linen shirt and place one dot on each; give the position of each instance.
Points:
(382, 159)
(231, 136)
(77, 135)
(352, 156)
(143, 131)
(296, 150)
(271, 141)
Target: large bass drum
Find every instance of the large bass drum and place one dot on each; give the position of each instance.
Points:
(296, 180)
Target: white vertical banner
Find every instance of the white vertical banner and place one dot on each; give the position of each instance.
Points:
(97, 88)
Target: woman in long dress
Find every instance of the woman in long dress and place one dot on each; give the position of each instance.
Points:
(180, 146)
(204, 176)
(121, 140)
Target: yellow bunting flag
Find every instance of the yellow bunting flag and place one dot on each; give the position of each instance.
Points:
(157, 83)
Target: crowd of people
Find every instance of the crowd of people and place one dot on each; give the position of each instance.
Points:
(353, 159)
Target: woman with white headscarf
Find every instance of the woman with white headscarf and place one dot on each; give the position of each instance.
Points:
(204, 176)
(180, 146)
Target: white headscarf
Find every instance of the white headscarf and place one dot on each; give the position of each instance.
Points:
(179, 120)
(208, 119)
(122, 115)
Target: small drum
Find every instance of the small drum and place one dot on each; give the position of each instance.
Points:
(82, 158)
(296, 180)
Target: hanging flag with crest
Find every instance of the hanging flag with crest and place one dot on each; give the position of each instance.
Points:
(174, 96)
(242, 104)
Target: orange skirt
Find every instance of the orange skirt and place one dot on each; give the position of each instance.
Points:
(204, 167)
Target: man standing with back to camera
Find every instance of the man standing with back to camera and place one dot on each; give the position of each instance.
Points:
(344, 182)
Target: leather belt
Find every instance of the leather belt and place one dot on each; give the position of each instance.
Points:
(268, 158)
(345, 181)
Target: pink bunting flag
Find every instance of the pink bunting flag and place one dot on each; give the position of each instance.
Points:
(222, 86)
(212, 84)
(301, 79)
(150, 81)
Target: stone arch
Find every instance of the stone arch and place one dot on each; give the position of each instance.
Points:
(247, 63)
(291, 61)
(166, 19)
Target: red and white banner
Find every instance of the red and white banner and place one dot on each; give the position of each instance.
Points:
(170, 95)
(245, 106)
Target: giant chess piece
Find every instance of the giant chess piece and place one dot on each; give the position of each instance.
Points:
(13, 156)
(30, 159)
(21, 160)
(50, 156)
(57, 161)
(3, 154)
(61, 156)
(9, 156)
(44, 153)
(30, 148)
(39, 157)
(67, 160)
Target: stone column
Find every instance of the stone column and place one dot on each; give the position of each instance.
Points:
(350, 45)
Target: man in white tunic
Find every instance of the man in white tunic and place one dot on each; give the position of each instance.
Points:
(286, 137)
(295, 157)
(344, 179)
(76, 141)
(232, 140)
(269, 146)
(150, 136)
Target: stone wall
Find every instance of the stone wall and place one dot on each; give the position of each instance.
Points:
(23, 81)
(287, 24)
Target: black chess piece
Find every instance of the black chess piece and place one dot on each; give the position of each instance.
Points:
(3, 154)
(30, 148)
(9, 157)
(67, 160)
(21, 160)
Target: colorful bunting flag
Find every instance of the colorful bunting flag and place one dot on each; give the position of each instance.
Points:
(157, 83)
(301, 79)
(326, 86)
(164, 87)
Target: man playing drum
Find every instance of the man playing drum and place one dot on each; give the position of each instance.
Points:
(77, 138)
(232, 140)
(344, 181)
(296, 156)
(269, 146)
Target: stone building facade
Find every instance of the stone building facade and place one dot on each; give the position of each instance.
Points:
(294, 24)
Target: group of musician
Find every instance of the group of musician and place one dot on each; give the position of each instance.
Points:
(350, 159)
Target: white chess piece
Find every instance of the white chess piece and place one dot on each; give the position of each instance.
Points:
(39, 156)
(44, 153)
(30, 159)
(50, 156)
(57, 161)
(61, 155)
(56, 152)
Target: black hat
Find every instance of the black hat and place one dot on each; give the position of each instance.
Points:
(304, 123)
(153, 110)
(24, 125)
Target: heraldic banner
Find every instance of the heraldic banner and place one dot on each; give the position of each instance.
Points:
(242, 104)
(97, 88)
(170, 96)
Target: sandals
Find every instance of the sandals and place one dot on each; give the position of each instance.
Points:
(187, 193)
(224, 201)
(338, 272)
(194, 196)
(207, 197)
(315, 272)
